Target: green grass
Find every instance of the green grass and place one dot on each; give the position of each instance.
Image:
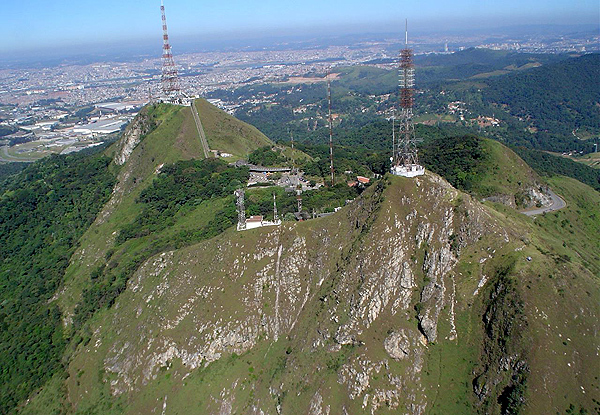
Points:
(592, 160)
(505, 173)
(166, 144)
(339, 249)
(225, 133)
(575, 230)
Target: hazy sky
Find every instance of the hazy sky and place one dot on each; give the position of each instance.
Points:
(29, 24)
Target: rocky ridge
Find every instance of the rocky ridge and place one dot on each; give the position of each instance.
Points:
(179, 306)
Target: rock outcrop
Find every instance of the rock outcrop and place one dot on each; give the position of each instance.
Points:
(132, 136)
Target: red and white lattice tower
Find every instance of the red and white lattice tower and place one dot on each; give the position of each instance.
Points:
(169, 78)
(330, 130)
(404, 152)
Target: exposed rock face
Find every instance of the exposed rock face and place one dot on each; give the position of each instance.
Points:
(327, 286)
(141, 126)
(538, 196)
(534, 195)
(397, 345)
(316, 406)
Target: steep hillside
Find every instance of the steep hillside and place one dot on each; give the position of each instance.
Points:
(43, 213)
(161, 134)
(414, 298)
(226, 133)
(73, 229)
(486, 169)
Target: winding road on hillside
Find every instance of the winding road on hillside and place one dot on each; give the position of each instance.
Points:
(557, 203)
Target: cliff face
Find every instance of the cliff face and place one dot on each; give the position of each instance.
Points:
(364, 311)
(135, 132)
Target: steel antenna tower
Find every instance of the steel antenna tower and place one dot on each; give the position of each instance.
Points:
(169, 78)
(404, 158)
(393, 135)
(330, 130)
(239, 194)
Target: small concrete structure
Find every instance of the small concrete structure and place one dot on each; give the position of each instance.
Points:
(411, 170)
(258, 222)
(262, 169)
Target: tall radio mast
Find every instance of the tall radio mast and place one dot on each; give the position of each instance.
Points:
(404, 152)
(330, 130)
(169, 78)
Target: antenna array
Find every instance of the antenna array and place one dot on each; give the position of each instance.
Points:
(330, 130)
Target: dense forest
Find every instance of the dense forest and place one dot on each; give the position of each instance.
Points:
(10, 169)
(435, 69)
(45, 207)
(557, 99)
(542, 101)
(459, 159)
(43, 213)
(549, 165)
(179, 187)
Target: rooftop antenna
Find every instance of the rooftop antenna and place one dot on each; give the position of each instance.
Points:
(330, 129)
(299, 200)
(169, 79)
(404, 158)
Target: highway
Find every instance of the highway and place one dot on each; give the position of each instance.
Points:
(200, 130)
(557, 203)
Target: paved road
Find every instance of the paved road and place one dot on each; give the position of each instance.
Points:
(557, 203)
(200, 130)
(5, 157)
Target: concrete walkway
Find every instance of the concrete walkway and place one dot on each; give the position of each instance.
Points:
(200, 130)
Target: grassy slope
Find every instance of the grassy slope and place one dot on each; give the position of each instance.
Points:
(169, 142)
(506, 173)
(558, 296)
(225, 133)
(558, 287)
(491, 169)
(174, 139)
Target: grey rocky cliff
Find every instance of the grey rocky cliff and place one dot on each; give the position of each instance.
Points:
(132, 136)
(350, 274)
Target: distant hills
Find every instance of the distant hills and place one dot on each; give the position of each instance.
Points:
(558, 98)
(126, 288)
